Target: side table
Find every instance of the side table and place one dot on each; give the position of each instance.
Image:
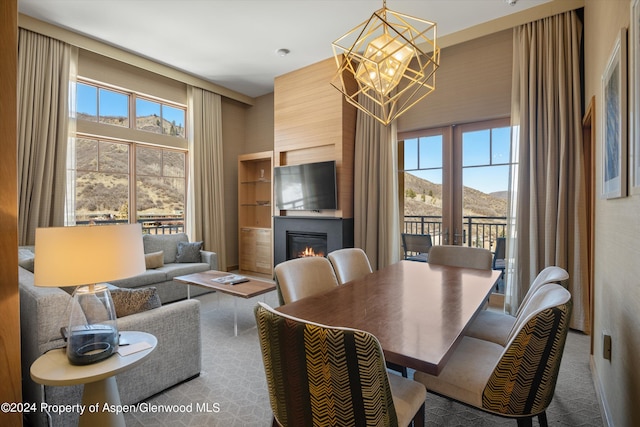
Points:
(53, 369)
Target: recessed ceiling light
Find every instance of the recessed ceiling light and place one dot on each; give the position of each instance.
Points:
(283, 52)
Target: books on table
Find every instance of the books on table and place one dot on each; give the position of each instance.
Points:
(231, 279)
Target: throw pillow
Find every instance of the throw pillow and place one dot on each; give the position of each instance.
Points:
(154, 260)
(132, 301)
(189, 252)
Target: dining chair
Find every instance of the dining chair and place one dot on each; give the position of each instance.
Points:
(349, 264)
(302, 277)
(493, 326)
(331, 376)
(461, 256)
(516, 381)
(416, 246)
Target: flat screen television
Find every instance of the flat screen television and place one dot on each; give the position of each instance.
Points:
(309, 186)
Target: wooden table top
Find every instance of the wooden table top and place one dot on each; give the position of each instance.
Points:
(418, 311)
(248, 289)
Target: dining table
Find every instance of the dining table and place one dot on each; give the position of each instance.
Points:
(417, 311)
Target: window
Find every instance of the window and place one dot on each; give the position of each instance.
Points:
(102, 105)
(155, 117)
(456, 182)
(119, 174)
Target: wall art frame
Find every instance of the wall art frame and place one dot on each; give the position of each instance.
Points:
(614, 128)
(634, 101)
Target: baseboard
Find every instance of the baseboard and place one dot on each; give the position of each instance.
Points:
(607, 421)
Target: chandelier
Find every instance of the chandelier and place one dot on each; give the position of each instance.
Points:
(392, 57)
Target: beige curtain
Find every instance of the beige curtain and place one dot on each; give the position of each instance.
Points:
(205, 200)
(549, 197)
(376, 207)
(43, 98)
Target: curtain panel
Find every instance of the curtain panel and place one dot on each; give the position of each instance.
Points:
(376, 206)
(548, 203)
(43, 114)
(205, 198)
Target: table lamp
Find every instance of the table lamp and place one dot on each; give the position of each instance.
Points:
(86, 256)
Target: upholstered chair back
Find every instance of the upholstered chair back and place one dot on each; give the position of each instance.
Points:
(524, 379)
(551, 274)
(303, 277)
(317, 375)
(349, 264)
(461, 256)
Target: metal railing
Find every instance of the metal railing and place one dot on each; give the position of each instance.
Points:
(479, 231)
(149, 225)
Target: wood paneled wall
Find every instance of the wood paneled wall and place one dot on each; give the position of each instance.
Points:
(10, 371)
(313, 123)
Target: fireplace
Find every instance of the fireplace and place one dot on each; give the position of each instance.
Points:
(303, 244)
(291, 235)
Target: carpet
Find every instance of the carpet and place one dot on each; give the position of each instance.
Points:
(231, 389)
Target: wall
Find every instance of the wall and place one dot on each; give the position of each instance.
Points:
(10, 372)
(473, 83)
(617, 241)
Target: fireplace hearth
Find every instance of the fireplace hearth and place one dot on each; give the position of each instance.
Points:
(295, 237)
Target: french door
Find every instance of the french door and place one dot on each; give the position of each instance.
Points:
(455, 182)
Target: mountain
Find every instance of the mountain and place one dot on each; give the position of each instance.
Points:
(422, 197)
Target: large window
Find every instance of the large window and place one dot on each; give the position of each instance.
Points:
(456, 182)
(127, 175)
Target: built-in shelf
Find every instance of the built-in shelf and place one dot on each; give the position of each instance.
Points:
(255, 192)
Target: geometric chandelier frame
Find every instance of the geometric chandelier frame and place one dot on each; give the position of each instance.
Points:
(393, 58)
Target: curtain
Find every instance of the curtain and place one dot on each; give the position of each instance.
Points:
(549, 198)
(376, 206)
(43, 111)
(205, 198)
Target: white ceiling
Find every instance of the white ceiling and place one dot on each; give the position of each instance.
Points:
(233, 43)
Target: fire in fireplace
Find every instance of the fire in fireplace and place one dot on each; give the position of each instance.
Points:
(304, 244)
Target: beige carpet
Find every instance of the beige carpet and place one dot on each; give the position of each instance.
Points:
(231, 390)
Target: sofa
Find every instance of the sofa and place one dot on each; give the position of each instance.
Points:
(162, 268)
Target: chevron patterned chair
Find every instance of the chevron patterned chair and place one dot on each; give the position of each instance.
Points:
(495, 327)
(516, 381)
(349, 264)
(329, 376)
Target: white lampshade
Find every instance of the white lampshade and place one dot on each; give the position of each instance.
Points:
(72, 256)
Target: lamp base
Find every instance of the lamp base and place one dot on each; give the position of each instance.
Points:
(91, 344)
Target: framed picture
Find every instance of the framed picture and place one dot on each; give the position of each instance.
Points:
(634, 102)
(614, 98)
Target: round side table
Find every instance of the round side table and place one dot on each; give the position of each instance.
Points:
(53, 369)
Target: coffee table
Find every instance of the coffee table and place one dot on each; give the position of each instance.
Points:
(250, 289)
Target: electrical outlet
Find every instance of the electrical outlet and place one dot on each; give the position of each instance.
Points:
(606, 346)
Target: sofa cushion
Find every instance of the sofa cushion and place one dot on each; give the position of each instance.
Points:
(177, 269)
(132, 301)
(148, 278)
(189, 252)
(26, 258)
(154, 259)
(168, 243)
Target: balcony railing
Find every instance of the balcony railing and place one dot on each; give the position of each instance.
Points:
(479, 231)
(149, 225)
